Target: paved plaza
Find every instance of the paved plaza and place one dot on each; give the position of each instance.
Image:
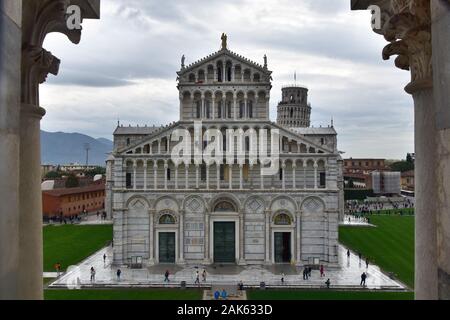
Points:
(346, 276)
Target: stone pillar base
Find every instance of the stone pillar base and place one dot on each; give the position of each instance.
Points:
(242, 262)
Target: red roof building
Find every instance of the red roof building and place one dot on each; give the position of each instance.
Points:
(73, 201)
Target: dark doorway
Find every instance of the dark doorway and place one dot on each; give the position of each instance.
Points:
(224, 242)
(282, 247)
(166, 247)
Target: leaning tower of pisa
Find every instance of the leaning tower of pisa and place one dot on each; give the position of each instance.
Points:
(294, 111)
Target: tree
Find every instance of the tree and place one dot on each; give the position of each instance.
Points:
(402, 166)
(72, 181)
(97, 170)
(350, 185)
(409, 159)
(53, 175)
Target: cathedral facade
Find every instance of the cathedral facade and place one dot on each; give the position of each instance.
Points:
(227, 209)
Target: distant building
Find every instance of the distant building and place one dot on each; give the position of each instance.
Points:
(76, 167)
(364, 166)
(386, 183)
(359, 171)
(407, 180)
(72, 201)
(46, 168)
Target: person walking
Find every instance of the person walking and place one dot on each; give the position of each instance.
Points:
(322, 271)
(359, 255)
(58, 269)
(309, 272)
(282, 278)
(197, 278)
(104, 259)
(363, 279)
(92, 274)
(305, 274)
(367, 263)
(166, 276)
(204, 275)
(119, 272)
(328, 283)
(348, 254)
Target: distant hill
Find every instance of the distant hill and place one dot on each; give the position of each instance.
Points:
(65, 148)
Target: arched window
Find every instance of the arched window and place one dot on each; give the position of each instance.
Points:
(167, 219)
(283, 219)
(229, 73)
(229, 110)
(241, 109)
(198, 109)
(219, 110)
(225, 206)
(192, 77)
(292, 112)
(250, 109)
(219, 74)
(208, 109)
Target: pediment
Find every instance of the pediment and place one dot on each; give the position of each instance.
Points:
(167, 132)
(223, 54)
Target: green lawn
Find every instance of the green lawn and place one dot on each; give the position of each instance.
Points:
(390, 245)
(70, 244)
(327, 295)
(124, 294)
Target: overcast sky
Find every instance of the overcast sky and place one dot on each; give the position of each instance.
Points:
(125, 66)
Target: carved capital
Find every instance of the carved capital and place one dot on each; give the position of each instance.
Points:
(406, 24)
(41, 17)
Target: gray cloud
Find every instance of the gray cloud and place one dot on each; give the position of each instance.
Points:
(125, 66)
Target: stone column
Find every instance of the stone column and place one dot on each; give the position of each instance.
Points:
(166, 168)
(315, 174)
(235, 106)
(145, 175)
(305, 165)
(268, 213)
(299, 238)
(283, 175)
(176, 176)
(241, 177)
(186, 166)
(203, 114)
(181, 238)
(134, 174)
(213, 107)
(230, 172)
(207, 176)
(197, 182)
(151, 244)
(30, 197)
(155, 175)
(262, 176)
(207, 259)
(218, 176)
(245, 111)
(241, 239)
(10, 52)
(294, 184)
(440, 17)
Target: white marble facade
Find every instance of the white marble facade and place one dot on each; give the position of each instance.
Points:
(290, 217)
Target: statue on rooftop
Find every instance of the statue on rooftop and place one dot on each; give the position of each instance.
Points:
(224, 41)
(183, 58)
